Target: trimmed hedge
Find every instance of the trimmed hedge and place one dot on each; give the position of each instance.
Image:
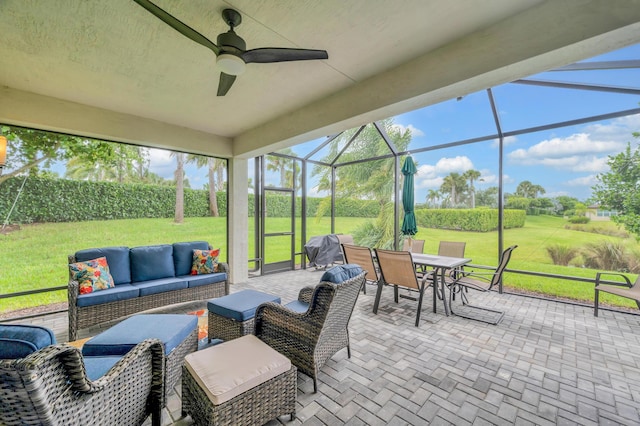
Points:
(61, 200)
(480, 219)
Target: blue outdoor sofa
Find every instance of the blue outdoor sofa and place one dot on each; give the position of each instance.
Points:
(145, 277)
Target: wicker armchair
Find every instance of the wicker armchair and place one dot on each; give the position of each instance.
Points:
(310, 338)
(51, 387)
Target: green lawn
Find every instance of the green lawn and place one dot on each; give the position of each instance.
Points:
(36, 255)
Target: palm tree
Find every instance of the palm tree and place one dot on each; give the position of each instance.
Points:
(453, 184)
(283, 166)
(179, 175)
(215, 168)
(527, 189)
(472, 175)
(433, 196)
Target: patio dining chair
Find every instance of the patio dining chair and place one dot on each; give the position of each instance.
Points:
(452, 249)
(397, 269)
(481, 281)
(362, 256)
(622, 289)
(417, 246)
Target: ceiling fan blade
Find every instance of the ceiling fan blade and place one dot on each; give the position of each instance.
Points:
(226, 81)
(280, 54)
(178, 25)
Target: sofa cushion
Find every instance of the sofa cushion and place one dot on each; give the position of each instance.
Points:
(92, 275)
(183, 255)
(240, 306)
(151, 262)
(200, 280)
(172, 329)
(98, 366)
(117, 259)
(119, 292)
(341, 273)
(160, 285)
(18, 341)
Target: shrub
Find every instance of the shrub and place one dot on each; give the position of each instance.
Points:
(561, 254)
(479, 219)
(609, 256)
(579, 219)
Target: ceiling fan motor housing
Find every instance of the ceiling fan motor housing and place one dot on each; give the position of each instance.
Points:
(230, 42)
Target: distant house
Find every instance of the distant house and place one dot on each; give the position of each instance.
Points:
(596, 213)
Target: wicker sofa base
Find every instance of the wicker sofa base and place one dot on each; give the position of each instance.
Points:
(226, 328)
(83, 317)
(271, 399)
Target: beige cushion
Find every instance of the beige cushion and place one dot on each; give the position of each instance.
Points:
(231, 368)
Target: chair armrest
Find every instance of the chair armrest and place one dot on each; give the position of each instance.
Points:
(223, 267)
(278, 325)
(305, 294)
(627, 282)
(487, 276)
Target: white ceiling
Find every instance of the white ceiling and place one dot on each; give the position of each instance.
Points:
(112, 70)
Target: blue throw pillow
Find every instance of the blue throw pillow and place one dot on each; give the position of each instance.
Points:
(341, 273)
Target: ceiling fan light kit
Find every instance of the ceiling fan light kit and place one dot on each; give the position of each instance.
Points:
(231, 54)
(230, 64)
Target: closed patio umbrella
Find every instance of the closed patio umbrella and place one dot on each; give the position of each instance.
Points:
(409, 226)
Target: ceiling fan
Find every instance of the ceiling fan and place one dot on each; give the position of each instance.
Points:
(231, 53)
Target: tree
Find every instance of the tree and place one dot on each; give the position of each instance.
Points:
(179, 175)
(371, 180)
(619, 188)
(28, 149)
(433, 196)
(455, 185)
(283, 166)
(126, 165)
(527, 189)
(487, 197)
(214, 168)
(565, 203)
(472, 175)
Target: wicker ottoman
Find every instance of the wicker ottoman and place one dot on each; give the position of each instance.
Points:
(240, 382)
(232, 316)
(179, 333)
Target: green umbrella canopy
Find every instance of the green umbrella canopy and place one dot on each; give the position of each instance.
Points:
(409, 226)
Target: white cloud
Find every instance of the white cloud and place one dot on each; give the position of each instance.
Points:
(583, 181)
(430, 176)
(509, 140)
(587, 151)
(161, 163)
(414, 130)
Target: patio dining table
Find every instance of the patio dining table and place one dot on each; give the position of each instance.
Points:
(440, 264)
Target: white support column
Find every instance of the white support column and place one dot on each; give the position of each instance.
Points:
(238, 211)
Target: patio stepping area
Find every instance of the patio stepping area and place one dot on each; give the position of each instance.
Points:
(545, 363)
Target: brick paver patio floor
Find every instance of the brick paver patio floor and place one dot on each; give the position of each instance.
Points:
(545, 363)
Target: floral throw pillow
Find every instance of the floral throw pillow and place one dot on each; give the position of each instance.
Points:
(92, 275)
(205, 261)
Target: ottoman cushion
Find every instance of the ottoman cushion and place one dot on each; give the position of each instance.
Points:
(98, 366)
(172, 329)
(232, 368)
(240, 306)
(18, 341)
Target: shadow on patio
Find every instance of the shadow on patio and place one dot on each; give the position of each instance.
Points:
(545, 363)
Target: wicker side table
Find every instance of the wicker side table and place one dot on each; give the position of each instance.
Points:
(232, 316)
(240, 382)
